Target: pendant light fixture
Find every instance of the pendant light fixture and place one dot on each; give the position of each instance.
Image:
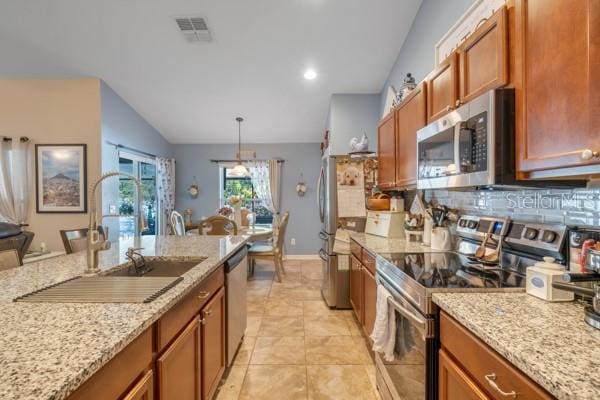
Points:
(239, 169)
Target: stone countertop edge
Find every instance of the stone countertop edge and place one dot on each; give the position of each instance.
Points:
(39, 388)
(549, 342)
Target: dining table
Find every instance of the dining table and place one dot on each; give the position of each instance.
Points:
(254, 233)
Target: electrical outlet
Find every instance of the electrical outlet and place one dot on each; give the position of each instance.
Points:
(293, 241)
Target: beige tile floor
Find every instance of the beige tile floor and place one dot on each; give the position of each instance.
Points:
(295, 346)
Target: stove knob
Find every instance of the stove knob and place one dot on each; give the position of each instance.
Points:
(473, 224)
(462, 223)
(530, 233)
(548, 236)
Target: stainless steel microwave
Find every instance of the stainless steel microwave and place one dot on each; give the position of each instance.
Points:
(472, 146)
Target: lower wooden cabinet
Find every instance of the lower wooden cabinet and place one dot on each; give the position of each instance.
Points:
(179, 366)
(469, 366)
(143, 390)
(454, 383)
(369, 300)
(213, 344)
(356, 288)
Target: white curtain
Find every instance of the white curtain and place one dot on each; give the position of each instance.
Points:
(16, 177)
(266, 179)
(165, 187)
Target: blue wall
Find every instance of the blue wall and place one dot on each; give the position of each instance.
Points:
(349, 116)
(194, 160)
(434, 19)
(121, 124)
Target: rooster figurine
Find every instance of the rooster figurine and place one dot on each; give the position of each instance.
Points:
(360, 145)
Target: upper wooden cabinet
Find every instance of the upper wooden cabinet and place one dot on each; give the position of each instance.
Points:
(386, 148)
(557, 65)
(411, 116)
(484, 57)
(442, 88)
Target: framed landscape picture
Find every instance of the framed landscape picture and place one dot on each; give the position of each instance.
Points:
(61, 178)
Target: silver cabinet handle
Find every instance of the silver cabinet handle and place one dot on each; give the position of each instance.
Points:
(588, 154)
(491, 379)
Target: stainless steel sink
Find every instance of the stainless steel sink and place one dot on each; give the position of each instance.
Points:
(160, 268)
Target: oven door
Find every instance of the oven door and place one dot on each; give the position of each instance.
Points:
(413, 372)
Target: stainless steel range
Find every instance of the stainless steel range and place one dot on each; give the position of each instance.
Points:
(412, 278)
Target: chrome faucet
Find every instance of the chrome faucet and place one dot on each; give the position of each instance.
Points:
(95, 244)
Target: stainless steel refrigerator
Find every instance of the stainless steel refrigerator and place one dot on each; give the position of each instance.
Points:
(336, 272)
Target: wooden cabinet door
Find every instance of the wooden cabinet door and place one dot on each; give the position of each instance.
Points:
(178, 367)
(143, 390)
(369, 300)
(454, 383)
(411, 116)
(356, 287)
(557, 69)
(442, 89)
(484, 57)
(213, 344)
(386, 152)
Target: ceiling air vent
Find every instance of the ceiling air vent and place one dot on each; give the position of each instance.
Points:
(194, 29)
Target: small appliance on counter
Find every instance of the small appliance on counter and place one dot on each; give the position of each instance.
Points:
(388, 224)
(540, 278)
(580, 242)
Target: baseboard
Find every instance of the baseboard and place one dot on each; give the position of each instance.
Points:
(301, 257)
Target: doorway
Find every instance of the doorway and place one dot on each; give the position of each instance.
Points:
(143, 168)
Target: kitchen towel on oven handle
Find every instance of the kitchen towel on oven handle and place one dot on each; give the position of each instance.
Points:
(384, 328)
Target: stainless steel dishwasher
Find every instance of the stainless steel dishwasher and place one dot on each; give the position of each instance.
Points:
(236, 275)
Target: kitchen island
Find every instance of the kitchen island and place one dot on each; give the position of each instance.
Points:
(549, 342)
(48, 350)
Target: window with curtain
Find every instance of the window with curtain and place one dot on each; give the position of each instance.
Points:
(234, 185)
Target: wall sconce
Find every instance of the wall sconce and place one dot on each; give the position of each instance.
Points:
(301, 186)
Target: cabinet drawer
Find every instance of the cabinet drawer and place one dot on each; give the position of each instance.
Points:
(480, 361)
(368, 260)
(112, 380)
(180, 314)
(355, 249)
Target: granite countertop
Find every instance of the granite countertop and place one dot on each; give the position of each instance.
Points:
(379, 244)
(48, 350)
(549, 342)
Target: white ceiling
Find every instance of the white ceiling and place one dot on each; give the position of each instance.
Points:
(191, 93)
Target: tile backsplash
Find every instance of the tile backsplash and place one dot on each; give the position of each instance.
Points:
(579, 207)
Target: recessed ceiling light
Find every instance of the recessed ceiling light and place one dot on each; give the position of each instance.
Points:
(310, 74)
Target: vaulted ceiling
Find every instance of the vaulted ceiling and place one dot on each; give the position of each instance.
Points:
(191, 92)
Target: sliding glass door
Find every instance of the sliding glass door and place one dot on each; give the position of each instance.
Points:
(144, 169)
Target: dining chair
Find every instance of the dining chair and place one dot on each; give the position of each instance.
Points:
(177, 224)
(75, 240)
(218, 225)
(262, 251)
(9, 255)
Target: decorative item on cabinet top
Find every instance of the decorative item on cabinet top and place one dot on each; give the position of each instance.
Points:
(390, 100)
(194, 189)
(360, 145)
(301, 186)
(408, 85)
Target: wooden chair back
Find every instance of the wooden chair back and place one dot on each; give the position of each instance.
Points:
(177, 224)
(9, 255)
(280, 234)
(218, 225)
(75, 240)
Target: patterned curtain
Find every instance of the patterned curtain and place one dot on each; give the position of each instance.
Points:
(165, 188)
(266, 179)
(16, 178)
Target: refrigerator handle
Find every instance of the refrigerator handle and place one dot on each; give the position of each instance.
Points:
(319, 192)
(323, 236)
(322, 255)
